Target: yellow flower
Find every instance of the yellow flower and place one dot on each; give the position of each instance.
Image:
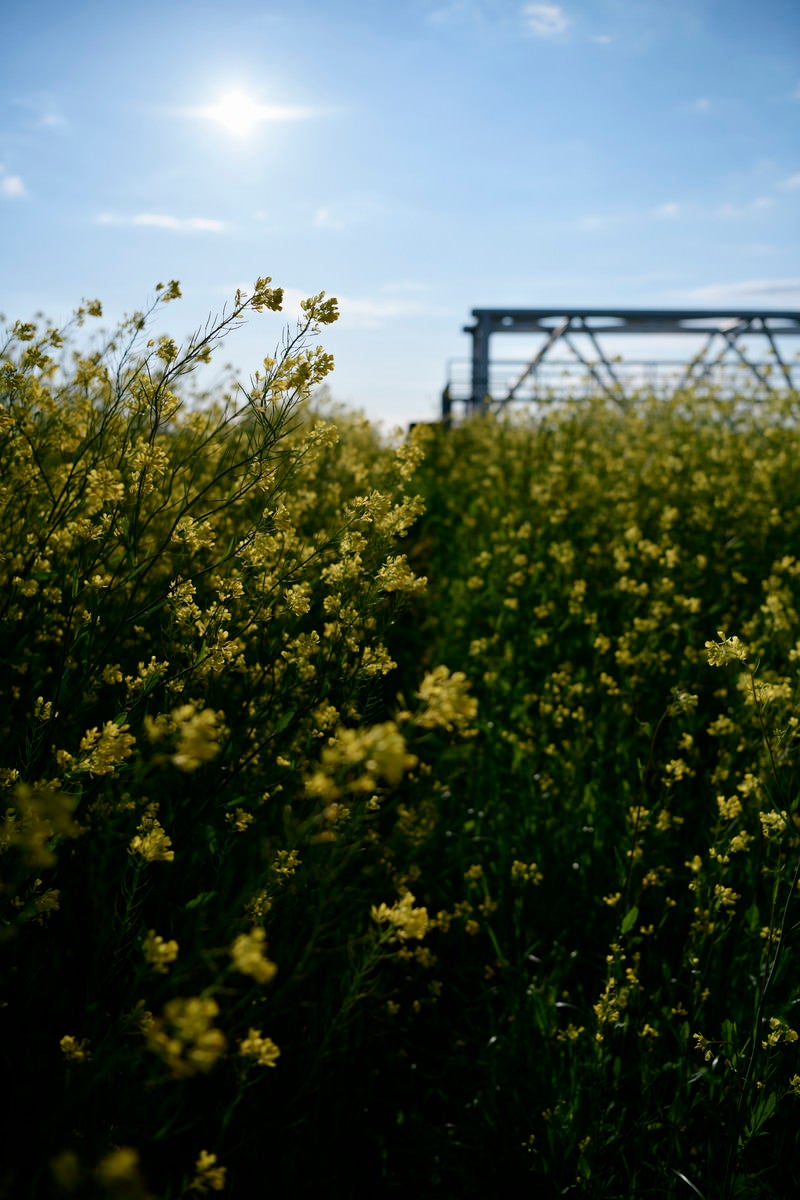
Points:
(198, 736)
(409, 922)
(75, 1050)
(158, 953)
(522, 872)
(248, 956)
(262, 1049)
(103, 750)
(209, 1177)
(779, 1033)
(396, 576)
(773, 824)
(184, 1037)
(447, 704)
(118, 1169)
(726, 650)
(150, 841)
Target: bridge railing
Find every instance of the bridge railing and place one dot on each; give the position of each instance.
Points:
(558, 380)
(734, 347)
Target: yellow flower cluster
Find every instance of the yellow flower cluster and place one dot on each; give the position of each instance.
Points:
(779, 1034)
(248, 954)
(730, 808)
(396, 576)
(522, 872)
(102, 485)
(209, 1176)
(726, 650)
(102, 750)
(159, 953)
(406, 920)
(40, 814)
(773, 824)
(75, 1049)
(447, 704)
(195, 731)
(198, 736)
(239, 819)
(150, 840)
(261, 1048)
(356, 759)
(185, 1037)
(118, 1172)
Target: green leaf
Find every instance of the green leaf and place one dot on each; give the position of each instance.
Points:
(629, 920)
(761, 1114)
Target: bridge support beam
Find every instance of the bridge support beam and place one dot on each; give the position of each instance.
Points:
(562, 327)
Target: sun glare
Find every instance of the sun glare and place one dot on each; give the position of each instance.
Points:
(238, 113)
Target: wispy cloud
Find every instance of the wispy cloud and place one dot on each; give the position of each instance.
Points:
(43, 108)
(546, 20)
(792, 183)
(165, 221)
(668, 210)
(348, 209)
(369, 312)
(701, 106)
(796, 93)
(457, 10)
(364, 312)
(11, 186)
(671, 210)
(601, 39)
(730, 211)
(749, 289)
(325, 219)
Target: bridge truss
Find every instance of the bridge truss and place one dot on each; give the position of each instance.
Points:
(739, 342)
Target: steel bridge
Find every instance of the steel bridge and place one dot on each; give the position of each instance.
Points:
(733, 343)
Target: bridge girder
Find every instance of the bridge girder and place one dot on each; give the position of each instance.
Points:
(562, 326)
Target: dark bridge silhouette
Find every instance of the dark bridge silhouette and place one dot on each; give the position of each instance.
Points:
(733, 336)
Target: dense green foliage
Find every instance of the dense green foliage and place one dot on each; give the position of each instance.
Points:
(381, 812)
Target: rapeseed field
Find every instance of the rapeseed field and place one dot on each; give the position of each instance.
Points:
(392, 815)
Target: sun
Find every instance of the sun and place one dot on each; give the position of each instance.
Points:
(238, 113)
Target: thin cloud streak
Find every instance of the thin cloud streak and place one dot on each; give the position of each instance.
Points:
(746, 289)
(734, 212)
(165, 221)
(456, 11)
(546, 20)
(362, 312)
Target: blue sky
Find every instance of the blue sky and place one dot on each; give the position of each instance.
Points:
(416, 159)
